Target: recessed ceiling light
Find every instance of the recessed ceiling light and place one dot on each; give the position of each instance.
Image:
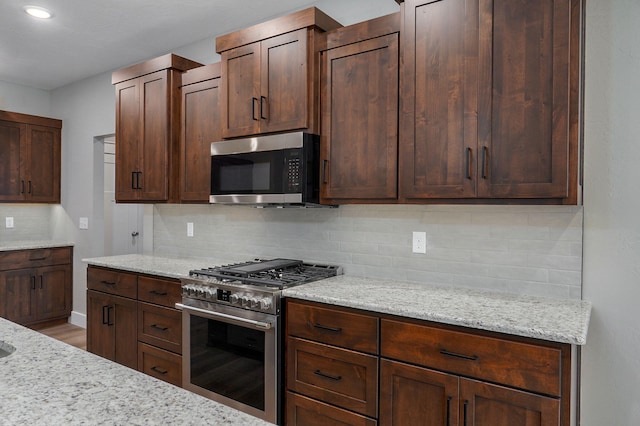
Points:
(38, 12)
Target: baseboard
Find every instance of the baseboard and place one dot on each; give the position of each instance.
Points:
(78, 319)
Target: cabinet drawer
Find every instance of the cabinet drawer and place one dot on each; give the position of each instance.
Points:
(160, 326)
(160, 364)
(159, 291)
(113, 282)
(20, 259)
(338, 376)
(303, 411)
(522, 365)
(333, 326)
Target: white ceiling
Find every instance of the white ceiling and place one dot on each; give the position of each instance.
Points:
(89, 37)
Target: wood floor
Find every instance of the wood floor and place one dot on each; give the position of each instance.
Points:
(68, 333)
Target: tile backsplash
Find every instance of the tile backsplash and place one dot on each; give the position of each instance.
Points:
(31, 222)
(533, 250)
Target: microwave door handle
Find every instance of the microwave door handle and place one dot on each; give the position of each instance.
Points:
(258, 325)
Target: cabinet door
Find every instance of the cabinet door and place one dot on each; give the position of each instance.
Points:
(53, 292)
(127, 139)
(241, 91)
(155, 139)
(359, 104)
(523, 98)
(283, 86)
(12, 149)
(201, 125)
(439, 96)
(112, 328)
(411, 395)
(44, 164)
(484, 404)
(20, 287)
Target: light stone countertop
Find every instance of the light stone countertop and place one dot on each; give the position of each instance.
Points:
(36, 244)
(170, 267)
(47, 382)
(564, 321)
(557, 320)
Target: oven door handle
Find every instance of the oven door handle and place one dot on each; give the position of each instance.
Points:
(258, 325)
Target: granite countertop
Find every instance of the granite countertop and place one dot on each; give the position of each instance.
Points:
(47, 382)
(564, 321)
(37, 244)
(557, 320)
(170, 267)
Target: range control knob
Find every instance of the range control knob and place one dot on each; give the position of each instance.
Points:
(233, 299)
(265, 304)
(253, 302)
(244, 300)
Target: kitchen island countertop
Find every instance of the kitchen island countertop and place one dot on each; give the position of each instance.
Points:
(47, 382)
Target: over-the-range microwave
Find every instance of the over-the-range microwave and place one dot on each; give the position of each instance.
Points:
(279, 170)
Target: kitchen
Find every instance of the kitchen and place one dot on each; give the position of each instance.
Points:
(609, 242)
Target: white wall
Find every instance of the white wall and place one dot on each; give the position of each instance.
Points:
(87, 109)
(25, 100)
(611, 358)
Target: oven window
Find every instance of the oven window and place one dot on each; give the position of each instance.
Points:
(228, 360)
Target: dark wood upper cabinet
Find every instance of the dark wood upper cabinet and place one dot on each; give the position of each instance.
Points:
(270, 77)
(489, 100)
(148, 129)
(30, 149)
(359, 112)
(201, 125)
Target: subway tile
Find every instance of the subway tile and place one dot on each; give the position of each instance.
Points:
(570, 263)
(519, 273)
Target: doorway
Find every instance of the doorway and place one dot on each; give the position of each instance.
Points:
(123, 223)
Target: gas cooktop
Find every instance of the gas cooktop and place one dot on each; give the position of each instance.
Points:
(278, 273)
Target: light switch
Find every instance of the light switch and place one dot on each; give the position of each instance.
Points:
(189, 229)
(9, 222)
(84, 223)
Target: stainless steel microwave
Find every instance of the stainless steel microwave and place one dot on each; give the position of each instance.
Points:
(273, 170)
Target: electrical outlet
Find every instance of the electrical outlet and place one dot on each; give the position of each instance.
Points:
(84, 223)
(8, 222)
(420, 242)
(189, 229)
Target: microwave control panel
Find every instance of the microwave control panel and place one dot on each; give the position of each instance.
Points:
(293, 172)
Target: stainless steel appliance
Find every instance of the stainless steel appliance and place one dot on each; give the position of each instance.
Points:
(232, 337)
(280, 170)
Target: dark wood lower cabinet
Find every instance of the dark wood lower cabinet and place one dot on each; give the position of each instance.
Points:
(310, 412)
(485, 404)
(131, 320)
(35, 285)
(422, 374)
(411, 395)
(112, 328)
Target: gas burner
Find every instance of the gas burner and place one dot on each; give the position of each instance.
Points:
(278, 273)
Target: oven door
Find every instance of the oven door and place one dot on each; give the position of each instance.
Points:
(231, 355)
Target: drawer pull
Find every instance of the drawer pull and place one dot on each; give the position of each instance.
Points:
(159, 327)
(159, 371)
(158, 293)
(328, 376)
(324, 327)
(107, 282)
(469, 357)
(448, 411)
(38, 258)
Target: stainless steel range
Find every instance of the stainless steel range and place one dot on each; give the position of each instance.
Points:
(232, 342)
